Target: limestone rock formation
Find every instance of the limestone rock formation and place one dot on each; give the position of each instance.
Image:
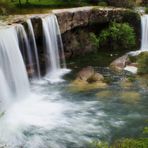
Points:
(88, 79)
(76, 17)
(120, 63)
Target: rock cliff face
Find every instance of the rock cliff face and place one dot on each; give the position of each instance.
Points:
(77, 23)
(76, 17)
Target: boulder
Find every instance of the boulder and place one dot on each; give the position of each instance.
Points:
(120, 63)
(88, 79)
(89, 75)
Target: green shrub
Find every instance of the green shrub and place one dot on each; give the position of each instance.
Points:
(146, 10)
(94, 40)
(145, 131)
(123, 143)
(122, 3)
(131, 143)
(119, 36)
(143, 63)
(98, 144)
(102, 4)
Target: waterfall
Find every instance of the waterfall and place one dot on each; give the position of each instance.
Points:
(25, 46)
(13, 76)
(34, 46)
(54, 49)
(144, 36)
(16, 45)
(144, 25)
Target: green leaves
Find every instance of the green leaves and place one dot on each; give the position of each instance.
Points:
(143, 63)
(118, 36)
(94, 40)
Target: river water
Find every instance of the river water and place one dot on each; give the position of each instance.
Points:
(54, 116)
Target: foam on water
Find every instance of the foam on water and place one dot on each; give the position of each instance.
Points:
(31, 122)
(54, 48)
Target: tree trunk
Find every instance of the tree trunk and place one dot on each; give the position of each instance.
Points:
(20, 3)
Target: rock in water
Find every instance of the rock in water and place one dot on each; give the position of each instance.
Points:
(88, 79)
(120, 63)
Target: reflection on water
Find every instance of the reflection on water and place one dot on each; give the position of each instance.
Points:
(52, 116)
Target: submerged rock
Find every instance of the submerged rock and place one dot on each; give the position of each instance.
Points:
(126, 83)
(88, 79)
(104, 94)
(132, 97)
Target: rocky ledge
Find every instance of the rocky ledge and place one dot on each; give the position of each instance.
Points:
(82, 16)
(75, 17)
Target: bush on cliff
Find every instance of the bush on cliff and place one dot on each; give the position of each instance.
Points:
(119, 36)
(146, 10)
(142, 63)
(122, 3)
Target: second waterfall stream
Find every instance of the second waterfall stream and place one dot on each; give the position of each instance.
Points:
(54, 49)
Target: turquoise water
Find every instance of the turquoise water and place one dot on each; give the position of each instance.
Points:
(62, 118)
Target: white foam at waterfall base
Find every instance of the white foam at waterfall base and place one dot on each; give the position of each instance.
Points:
(56, 76)
(27, 113)
(31, 122)
(54, 47)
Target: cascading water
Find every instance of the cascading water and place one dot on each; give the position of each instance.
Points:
(25, 46)
(34, 46)
(27, 110)
(53, 44)
(144, 36)
(144, 25)
(13, 76)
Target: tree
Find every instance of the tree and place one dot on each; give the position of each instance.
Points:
(20, 3)
(27, 1)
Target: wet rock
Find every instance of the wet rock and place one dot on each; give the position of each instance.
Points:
(89, 75)
(120, 63)
(79, 85)
(88, 79)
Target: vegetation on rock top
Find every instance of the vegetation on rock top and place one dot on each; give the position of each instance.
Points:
(120, 33)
